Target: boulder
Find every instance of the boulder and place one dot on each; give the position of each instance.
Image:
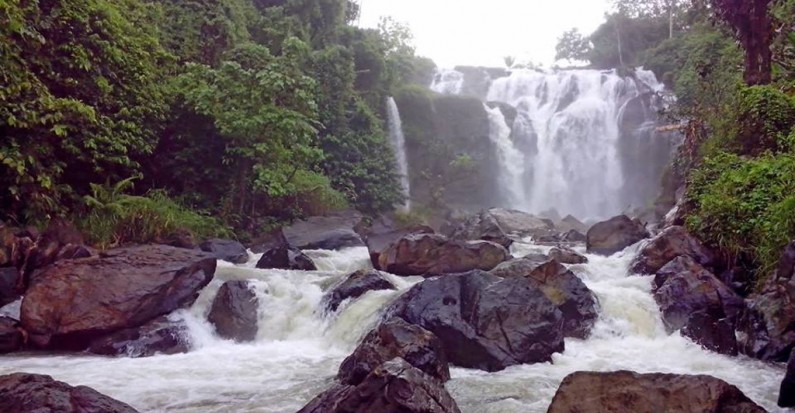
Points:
(9, 280)
(484, 321)
(73, 302)
(566, 255)
(615, 234)
(355, 286)
(626, 391)
(23, 392)
(285, 257)
(564, 289)
(694, 300)
(11, 338)
(378, 241)
(481, 226)
(767, 327)
(234, 311)
(666, 246)
(393, 387)
(570, 223)
(396, 338)
(786, 394)
(330, 232)
(226, 249)
(521, 224)
(573, 236)
(159, 336)
(431, 254)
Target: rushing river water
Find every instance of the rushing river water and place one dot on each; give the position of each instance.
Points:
(298, 349)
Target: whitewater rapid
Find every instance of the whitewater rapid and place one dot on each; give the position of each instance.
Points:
(299, 348)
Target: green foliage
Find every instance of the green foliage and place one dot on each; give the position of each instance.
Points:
(765, 116)
(572, 45)
(745, 207)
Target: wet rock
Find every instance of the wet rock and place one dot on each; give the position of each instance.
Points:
(573, 236)
(393, 387)
(330, 232)
(431, 254)
(396, 338)
(786, 394)
(226, 249)
(575, 301)
(481, 226)
(570, 223)
(666, 246)
(485, 322)
(286, 258)
(381, 239)
(615, 234)
(73, 302)
(9, 279)
(626, 391)
(11, 338)
(159, 336)
(234, 311)
(521, 224)
(355, 286)
(566, 255)
(694, 300)
(767, 327)
(23, 392)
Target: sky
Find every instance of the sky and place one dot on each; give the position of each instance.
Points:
(482, 32)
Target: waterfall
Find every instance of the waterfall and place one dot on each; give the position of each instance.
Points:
(448, 82)
(398, 142)
(510, 158)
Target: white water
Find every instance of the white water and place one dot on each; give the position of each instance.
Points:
(511, 160)
(298, 350)
(448, 82)
(398, 142)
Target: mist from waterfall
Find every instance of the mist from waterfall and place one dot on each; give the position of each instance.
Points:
(398, 142)
(510, 158)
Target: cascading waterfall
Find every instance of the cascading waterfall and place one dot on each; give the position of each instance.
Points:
(510, 158)
(299, 348)
(398, 142)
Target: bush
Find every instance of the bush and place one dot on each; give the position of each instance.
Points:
(764, 117)
(745, 207)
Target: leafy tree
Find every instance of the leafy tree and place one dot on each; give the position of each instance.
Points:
(572, 45)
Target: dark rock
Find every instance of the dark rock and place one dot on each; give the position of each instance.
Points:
(615, 234)
(666, 246)
(565, 255)
(73, 302)
(481, 226)
(75, 251)
(564, 289)
(11, 338)
(234, 311)
(694, 300)
(570, 223)
(159, 336)
(286, 258)
(378, 241)
(396, 338)
(226, 249)
(331, 232)
(573, 236)
(626, 391)
(393, 387)
(484, 321)
(355, 286)
(9, 280)
(786, 394)
(431, 254)
(521, 224)
(180, 238)
(49, 243)
(23, 392)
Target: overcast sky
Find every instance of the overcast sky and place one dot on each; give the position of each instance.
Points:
(482, 32)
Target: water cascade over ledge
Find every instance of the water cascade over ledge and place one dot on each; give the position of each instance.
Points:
(398, 142)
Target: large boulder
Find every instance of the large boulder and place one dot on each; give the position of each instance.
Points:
(432, 254)
(159, 336)
(485, 322)
(355, 286)
(73, 302)
(11, 338)
(481, 226)
(615, 234)
(9, 279)
(330, 232)
(521, 224)
(692, 299)
(666, 246)
(786, 394)
(23, 392)
(226, 249)
(234, 311)
(575, 301)
(396, 338)
(285, 257)
(570, 223)
(626, 391)
(382, 238)
(566, 255)
(393, 387)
